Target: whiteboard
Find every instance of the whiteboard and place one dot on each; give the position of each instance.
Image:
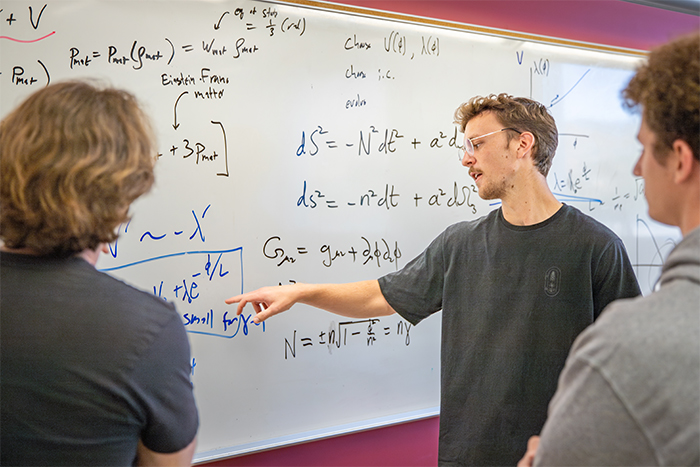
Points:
(304, 144)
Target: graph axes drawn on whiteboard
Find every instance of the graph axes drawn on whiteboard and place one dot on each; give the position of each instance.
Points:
(223, 130)
(172, 255)
(657, 260)
(557, 99)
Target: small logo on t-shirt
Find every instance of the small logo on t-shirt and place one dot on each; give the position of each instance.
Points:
(551, 281)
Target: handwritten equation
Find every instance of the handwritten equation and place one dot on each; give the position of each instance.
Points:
(375, 253)
(374, 140)
(347, 334)
(389, 197)
(193, 281)
(189, 275)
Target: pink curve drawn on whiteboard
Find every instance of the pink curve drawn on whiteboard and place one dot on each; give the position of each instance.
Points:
(28, 42)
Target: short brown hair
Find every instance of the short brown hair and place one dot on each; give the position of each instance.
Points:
(667, 87)
(522, 114)
(73, 157)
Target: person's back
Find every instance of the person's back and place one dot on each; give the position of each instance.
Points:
(94, 372)
(83, 357)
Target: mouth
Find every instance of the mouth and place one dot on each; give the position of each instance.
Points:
(476, 175)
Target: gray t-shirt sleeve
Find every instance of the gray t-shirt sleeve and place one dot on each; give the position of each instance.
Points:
(415, 291)
(163, 379)
(613, 277)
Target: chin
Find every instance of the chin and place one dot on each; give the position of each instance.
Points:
(488, 195)
(661, 218)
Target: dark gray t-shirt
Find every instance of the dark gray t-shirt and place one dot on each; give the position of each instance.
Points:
(514, 298)
(89, 366)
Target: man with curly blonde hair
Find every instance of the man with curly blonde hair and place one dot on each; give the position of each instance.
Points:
(515, 287)
(630, 391)
(94, 372)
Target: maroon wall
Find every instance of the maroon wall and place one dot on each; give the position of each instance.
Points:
(610, 22)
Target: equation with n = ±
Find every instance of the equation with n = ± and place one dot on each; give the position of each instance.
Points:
(363, 332)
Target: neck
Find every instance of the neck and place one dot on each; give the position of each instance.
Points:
(88, 255)
(531, 203)
(689, 202)
(690, 219)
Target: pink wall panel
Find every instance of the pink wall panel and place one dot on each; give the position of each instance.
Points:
(407, 445)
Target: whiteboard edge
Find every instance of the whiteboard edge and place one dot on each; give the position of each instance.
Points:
(457, 26)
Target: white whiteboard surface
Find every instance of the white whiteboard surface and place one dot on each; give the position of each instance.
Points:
(308, 145)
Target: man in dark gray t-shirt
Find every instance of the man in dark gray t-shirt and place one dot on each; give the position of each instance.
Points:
(515, 287)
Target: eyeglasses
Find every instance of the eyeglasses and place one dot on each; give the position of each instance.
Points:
(469, 142)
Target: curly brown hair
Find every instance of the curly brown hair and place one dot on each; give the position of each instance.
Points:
(522, 114)
(667, 87)
(73, 157)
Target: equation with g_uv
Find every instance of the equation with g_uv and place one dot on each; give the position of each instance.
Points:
(378, 252)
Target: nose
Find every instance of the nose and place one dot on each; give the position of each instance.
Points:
(637, 171)
(467, 160)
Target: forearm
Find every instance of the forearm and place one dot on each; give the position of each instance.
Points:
(355, 300)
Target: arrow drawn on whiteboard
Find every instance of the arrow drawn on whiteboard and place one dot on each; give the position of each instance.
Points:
(175, 124)
(558, 99)
(224, 174)
(218, 24)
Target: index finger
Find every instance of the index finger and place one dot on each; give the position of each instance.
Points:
(232, 300)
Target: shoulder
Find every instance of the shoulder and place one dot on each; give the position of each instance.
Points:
(636, 332)
(110, 284)
(591, 235)
(458, 238)
(636, 348)
(124, 304)
(585, 223)
(467, 228)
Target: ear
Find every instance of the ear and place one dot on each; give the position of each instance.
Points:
(525, 143)
(684, 164)
(104, 248)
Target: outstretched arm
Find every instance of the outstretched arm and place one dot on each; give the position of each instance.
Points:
(355, 299)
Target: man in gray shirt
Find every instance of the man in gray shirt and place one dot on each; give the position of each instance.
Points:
(630, 391)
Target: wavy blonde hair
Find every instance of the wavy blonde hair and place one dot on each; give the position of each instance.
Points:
(520, 113)
(73, 157)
